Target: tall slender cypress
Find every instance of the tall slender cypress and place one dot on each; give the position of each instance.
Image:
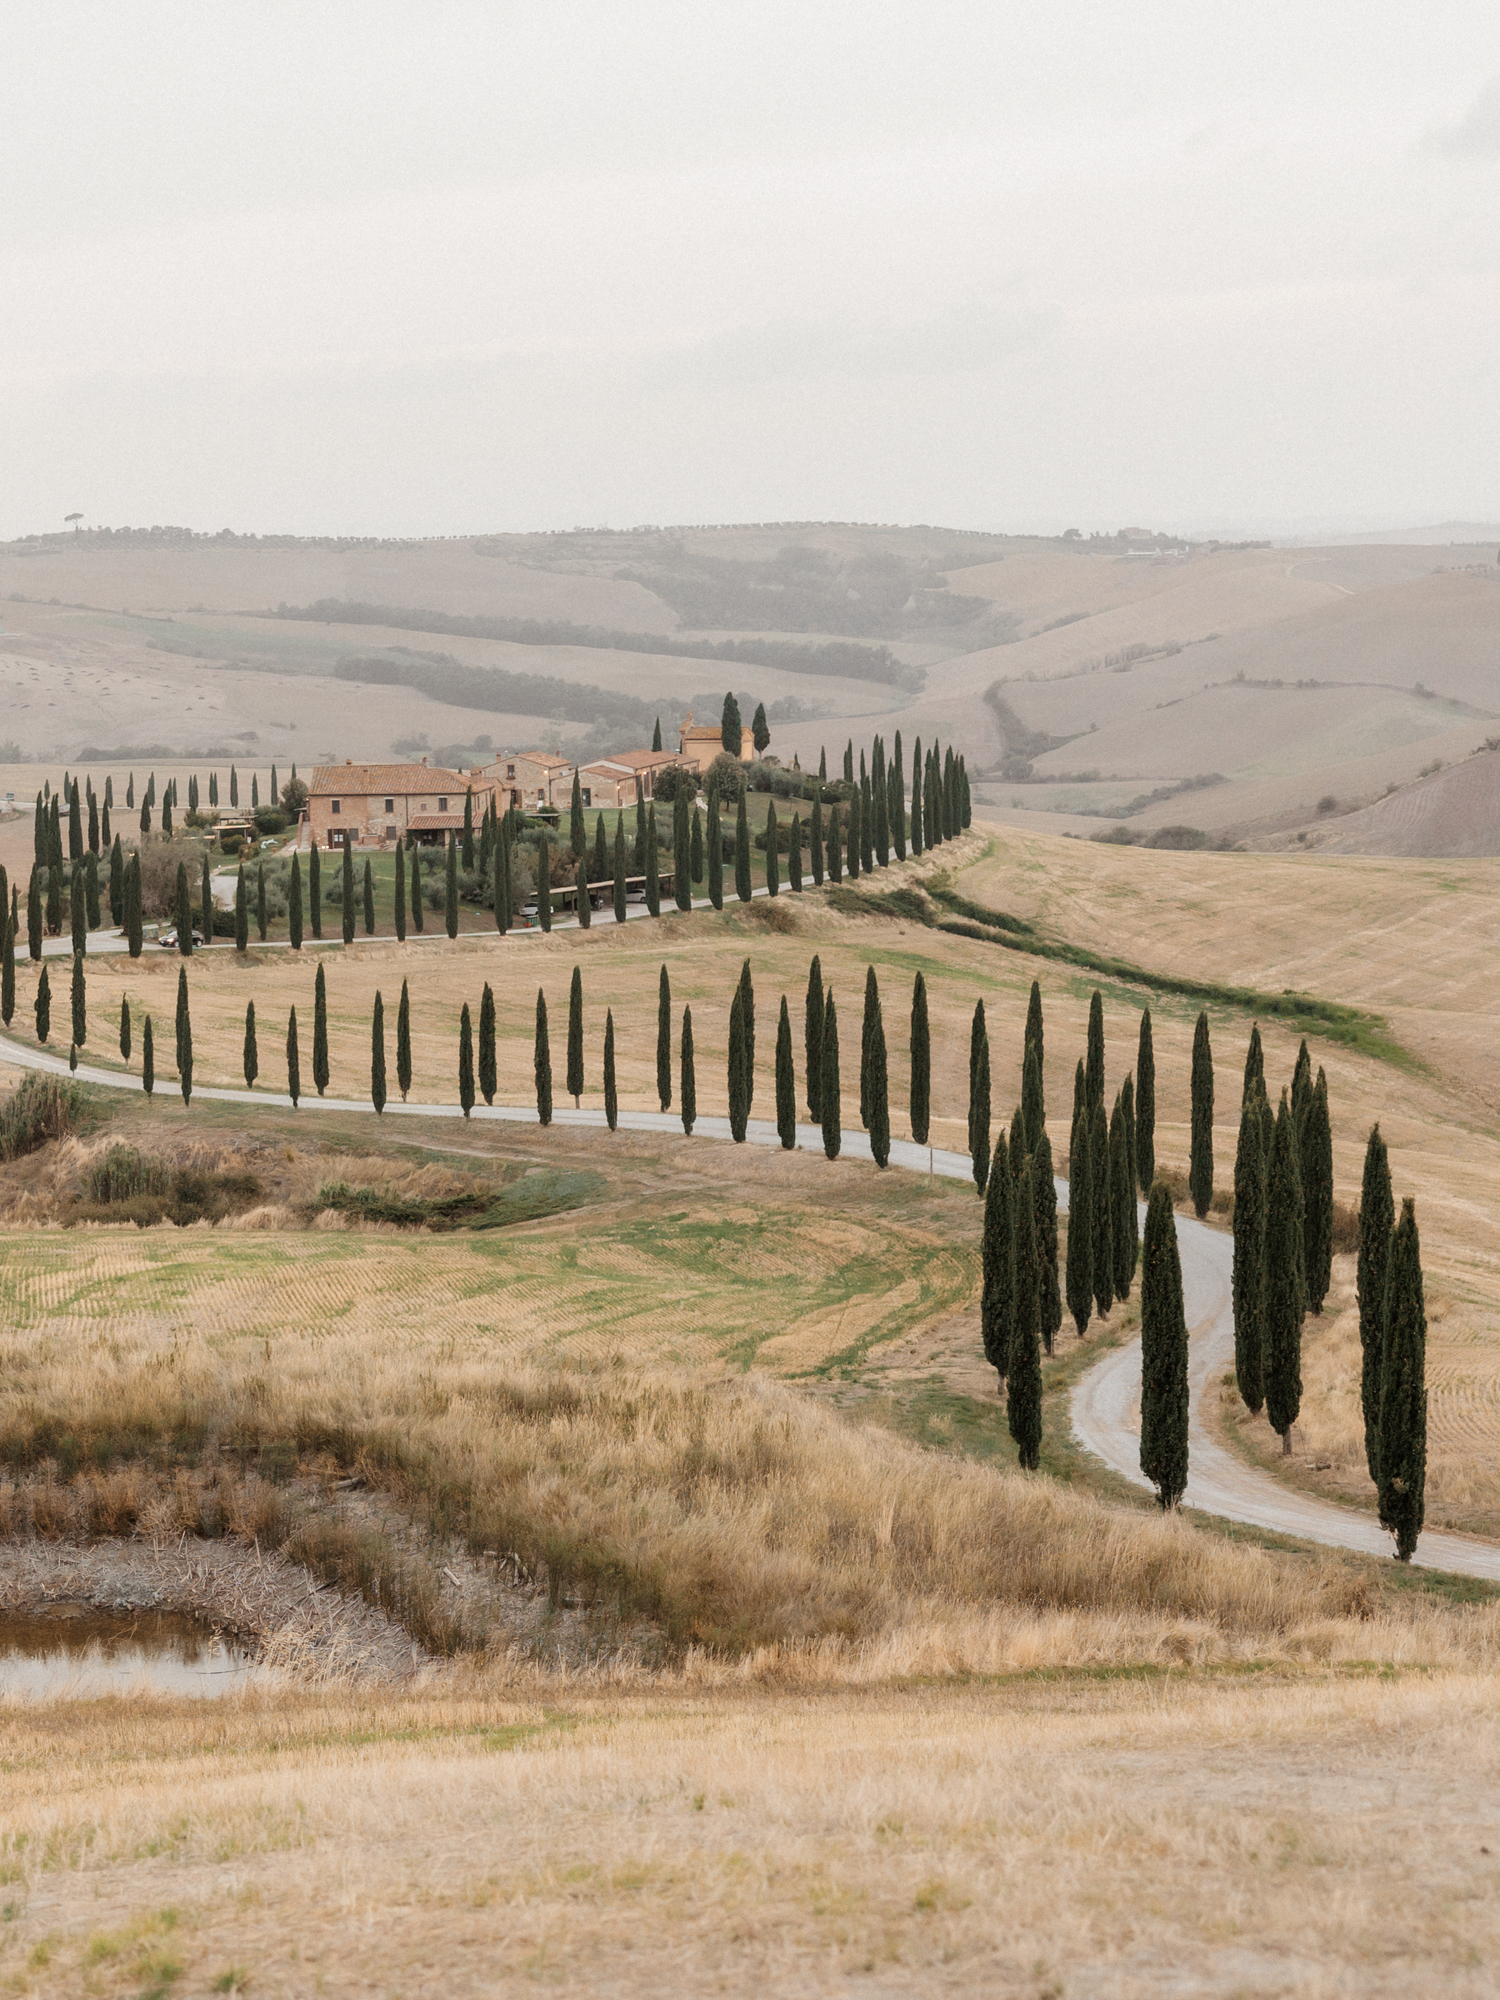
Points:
(1044, 1201)
(829, 1107)
(815, 843)
(414, 858)
(611, 1088)
(1016, 1144)
(1033, 1109)
(1145, 1107)
(206, 900)
(488, 1077)
(1302, 1084)
(1121, 1202)
(182, 1008)
(185, 1046)
(403, 1043)
(915, 829)
(575, 1036)
(997, 1259)
(600, 870)
(620, 870)
(369, 900)
(715, 844)
(91, 888)
(1104, 1240)
(689, 1076)
(148, 1059)
(78, 909)
(747, 1002)
(124, 1030)
(241, 912)
(664, 1040)
(1284, 1281)
(1080, 1258)
(134, 919)
(786, 1081)
(1248, 1271)
(1093, 1068)
(638, 859)
(1402, 1449)
(544, 884)
(315, 889)
(577, 832)
(653, 865)
(34, 916)
(8, 961)
(739, 1106)
(465, 1061)
(682, 851)
(696, 859)
(1023, 1380)
(117, 884)
(880, 806)
(1377, 1220)
(400, 891)
(773, 852)
(583, 902)
(294, 906)
(1317, 1194)
(80, 1003)
(500, 863)
(979, 1097)
(320, 1031)
(866, 1031)
(250, 1053)
(1201, 1153)
(854, 840)
(1164, 1356)
(813, 1038)
(262, 918)
(742, 852)
(43, 1006)
(541, 1062)
(377, 1054)
(878, 1123)
(921, 1063)
(75, 824)
(54, 897)
(450, 896)
(1255, 1059)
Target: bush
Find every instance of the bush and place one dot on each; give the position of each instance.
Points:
(671, 780)
(42, 1108)
(1327, 804)
(731, 775)
(124, 1173)
(269, 820)
(1181, 838)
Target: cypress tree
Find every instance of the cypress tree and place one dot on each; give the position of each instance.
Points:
(206, 900)
(166, 814)
(866, 1032)
(1033, 1113)
(739, 1107)
(369, 900)
(1377, 1220)
(1023, 1382)
(1317, 1194)
(1093, 1069)
(93, 837)
(760, 731)
(315, 889)
(294, 906)
(1104, 1239)
(1080, 1259)
(879, 1121)
(1044, 1204)
(914, 833)
(104, 832)
(414, 858)
(403, 1043)
(866, 828)
(1255, 1060)
(261, 919)
(78, 909)
(786, 1081)
(450, 891)
(275, 788)
(1164, 1356)
(611, 1092)
(320, 1031)
(1016, 1145)
(80, 1003)
(1284, 1281)
(75, 825)
(815, 843)
(543, 884)
(41, 847)
(682, 851)
(828, 1081)
(979, 1097)
(731, 733)
(91, 889)
(184, 913)
(1248, 1280)
(54, 836)
(43, 1006)
(1145, 1107)
(1121, 1203)
(234, 786)
(689, 1075)
(241, 912)
(653, 875)
(254, 791)
(487, 1068)
(134, 927)
(124, 1030)
(921, 1063)
(813, 1038)
(1127, 1106)
(880, 823)
(500, 862)
(664, 1040)
(854, 837)
(773, 852)
(577, 833)
(1301, 1086)
(54, 898)
(542, 1062)
(465, 1061)
(575, 1037)
(747, 1002)
(8, 962)
(148, 1059)
(400, 891)
(794, 855)
(184, 1042)
(895, 809)
(600, 870)
(1035, 1101)
(696, 861)
(742, 853)
(656, 735)
(620, 870)
(715, 844)
(145, 816)
(34, 916)
(1402, 1448)
(997, 1256)
(1201, 1155)
(250, 1054)
(835, 844)
(117, 884)
(639, 857)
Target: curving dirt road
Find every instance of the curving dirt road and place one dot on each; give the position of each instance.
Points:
(1106, 1420)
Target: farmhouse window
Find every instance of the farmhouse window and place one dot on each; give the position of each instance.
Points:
(390, 830)
(442, 805)
(588, 796)
(390, 805)
(334, 807)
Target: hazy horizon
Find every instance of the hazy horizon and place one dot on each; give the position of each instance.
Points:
(366, 272)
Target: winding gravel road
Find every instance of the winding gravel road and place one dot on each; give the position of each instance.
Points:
(1105, 1402)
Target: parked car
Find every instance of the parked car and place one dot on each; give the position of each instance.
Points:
(169, 938)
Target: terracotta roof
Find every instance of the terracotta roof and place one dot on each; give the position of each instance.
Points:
(644, 760)
(544, 757)
(364, 780)
(436, 822)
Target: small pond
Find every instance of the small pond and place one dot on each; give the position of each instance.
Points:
(76, 1650)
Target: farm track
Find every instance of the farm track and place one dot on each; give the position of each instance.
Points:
(1104, 1401)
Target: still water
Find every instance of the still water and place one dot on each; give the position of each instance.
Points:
(74, 1650)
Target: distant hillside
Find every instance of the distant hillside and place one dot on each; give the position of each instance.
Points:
(1455, 813)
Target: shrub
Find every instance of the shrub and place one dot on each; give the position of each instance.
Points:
(731, 776)
(269, 820)
(42, 1108)
(124, 1173)
(1328, 803)
(672, 780)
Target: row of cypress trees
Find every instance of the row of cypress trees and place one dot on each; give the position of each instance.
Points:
(1393, 1343)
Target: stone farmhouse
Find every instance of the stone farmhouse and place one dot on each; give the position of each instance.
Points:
(375, 805)
(610, 781)
(529, 779)
(701, 742)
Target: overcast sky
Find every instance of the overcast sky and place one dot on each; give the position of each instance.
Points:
(431, 269)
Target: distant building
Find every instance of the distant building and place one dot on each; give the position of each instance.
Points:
(529, 779)
(611, 781)
(701, 742)
(363, 805)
